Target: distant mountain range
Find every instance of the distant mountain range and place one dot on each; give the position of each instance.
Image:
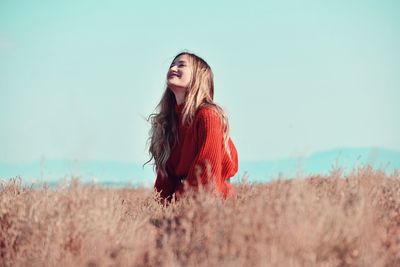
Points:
(322, 163)
(118, 174)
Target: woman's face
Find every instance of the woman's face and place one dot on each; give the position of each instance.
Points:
(179, 74)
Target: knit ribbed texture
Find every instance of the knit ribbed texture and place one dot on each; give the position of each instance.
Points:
(199, 156)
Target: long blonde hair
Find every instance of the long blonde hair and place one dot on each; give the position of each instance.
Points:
(163, 133)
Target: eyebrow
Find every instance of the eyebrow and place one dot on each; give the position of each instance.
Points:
(180, 61)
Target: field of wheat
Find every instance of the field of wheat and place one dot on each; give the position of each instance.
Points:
(333, 220)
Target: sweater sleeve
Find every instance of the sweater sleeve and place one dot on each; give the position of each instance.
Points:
(207, 165)
(164, 185)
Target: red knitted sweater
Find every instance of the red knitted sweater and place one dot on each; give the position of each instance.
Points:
(199, 156)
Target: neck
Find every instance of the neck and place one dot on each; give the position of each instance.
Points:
(179, 97)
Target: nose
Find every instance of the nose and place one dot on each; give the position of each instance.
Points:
(174, 68)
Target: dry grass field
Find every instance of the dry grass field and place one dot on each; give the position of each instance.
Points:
(333, 220)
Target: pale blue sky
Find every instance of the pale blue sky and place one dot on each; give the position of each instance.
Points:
(295, 77)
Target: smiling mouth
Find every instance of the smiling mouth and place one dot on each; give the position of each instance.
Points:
(174, 74)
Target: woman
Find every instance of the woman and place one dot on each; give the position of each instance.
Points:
(189, 137)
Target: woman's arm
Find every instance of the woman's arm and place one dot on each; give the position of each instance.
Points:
(164, 185)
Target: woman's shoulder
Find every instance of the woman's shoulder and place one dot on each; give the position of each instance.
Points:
(208, 111)
(209, 115)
